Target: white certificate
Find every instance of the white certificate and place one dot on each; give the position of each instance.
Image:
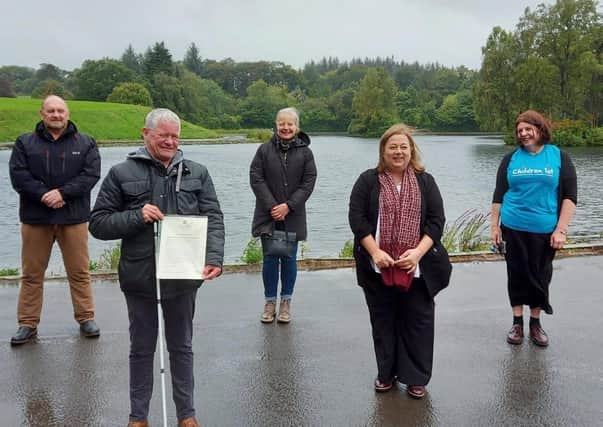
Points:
(182, 242)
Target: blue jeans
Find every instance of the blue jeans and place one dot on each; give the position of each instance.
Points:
(270, 273)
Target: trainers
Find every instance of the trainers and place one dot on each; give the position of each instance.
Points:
(515, 334)
(90, 329)
(538, 336)
(416, 391)
(23, 335)
(382, 387)
(269, 312)
(284, 311)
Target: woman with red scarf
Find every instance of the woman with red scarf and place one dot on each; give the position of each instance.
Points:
(397, 217)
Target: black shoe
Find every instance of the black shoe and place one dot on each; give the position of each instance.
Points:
(90, 329)
(23, 335)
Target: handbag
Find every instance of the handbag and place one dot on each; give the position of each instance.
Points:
(279, 243)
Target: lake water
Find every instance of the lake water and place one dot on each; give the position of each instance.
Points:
(464, 168)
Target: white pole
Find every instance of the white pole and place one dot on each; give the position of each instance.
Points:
(157, 227)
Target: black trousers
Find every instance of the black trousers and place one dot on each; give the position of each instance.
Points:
(403, 331)
(178, 315)
(529, 259)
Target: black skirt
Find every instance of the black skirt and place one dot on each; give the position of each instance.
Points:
(529, 259)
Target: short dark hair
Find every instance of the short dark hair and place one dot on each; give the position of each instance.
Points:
(537, 120)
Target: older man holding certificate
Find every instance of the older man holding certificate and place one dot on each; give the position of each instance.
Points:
(152, 182)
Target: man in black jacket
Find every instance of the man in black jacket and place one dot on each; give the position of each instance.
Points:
(54, 169)
(153, 181)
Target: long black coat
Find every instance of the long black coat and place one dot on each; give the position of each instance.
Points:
(364, 214)
(277, 177)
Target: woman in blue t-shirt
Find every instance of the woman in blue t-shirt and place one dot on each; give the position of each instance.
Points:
(534, 200)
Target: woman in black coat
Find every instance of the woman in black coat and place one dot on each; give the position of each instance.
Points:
(397, 217)
(282, 177)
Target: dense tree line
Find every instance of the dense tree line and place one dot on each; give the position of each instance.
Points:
(551, 62)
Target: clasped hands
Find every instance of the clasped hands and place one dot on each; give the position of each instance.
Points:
(53, 199)
(408, 261)
(151, 213)
(279, 212)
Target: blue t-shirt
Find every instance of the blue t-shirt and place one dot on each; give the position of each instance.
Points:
(531, 202)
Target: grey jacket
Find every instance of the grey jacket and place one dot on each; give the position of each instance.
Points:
(278, 176)
(117, 214)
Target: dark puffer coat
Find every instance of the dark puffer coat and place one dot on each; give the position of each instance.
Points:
(117, 214)
(278, 176)
(39, 163)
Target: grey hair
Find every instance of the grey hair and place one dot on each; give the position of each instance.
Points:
(160, 115)
(289, 110)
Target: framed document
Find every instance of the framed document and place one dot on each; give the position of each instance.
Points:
(182, 245)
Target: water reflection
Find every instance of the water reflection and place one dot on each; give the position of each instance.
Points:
(54, 387)
(526, 388)
(395, 408)
(276, 394)
(37, 398)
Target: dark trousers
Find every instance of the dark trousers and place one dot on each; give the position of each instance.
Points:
(403, 331)
(178, 315)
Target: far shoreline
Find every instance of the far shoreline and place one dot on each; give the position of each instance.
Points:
(242, 139)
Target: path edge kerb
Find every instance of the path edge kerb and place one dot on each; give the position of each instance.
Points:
(313, 264)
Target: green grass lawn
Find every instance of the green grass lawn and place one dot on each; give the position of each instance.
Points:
(103, 121)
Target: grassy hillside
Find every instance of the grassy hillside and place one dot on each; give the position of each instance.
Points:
(102, 120)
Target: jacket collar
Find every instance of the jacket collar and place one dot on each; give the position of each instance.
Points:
(143, 154)
(302, 139)
(41, 130)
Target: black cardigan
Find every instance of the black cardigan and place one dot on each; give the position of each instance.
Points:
(363, 216)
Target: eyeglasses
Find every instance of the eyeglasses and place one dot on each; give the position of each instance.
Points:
(163, 137)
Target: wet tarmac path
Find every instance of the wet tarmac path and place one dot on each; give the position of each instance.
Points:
(318, 370)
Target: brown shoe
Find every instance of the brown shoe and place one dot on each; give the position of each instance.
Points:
(269, 312)
(416, 391)
(284, 312)
(538, 336)
(515, 335)
(144, 423)
(382, 387)
(189, 422)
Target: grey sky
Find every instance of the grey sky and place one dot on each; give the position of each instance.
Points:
(66, 32)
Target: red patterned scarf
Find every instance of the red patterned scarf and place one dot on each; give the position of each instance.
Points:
(399, 222)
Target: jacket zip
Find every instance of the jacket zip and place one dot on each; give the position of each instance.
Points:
(285, 174)
(48, 163)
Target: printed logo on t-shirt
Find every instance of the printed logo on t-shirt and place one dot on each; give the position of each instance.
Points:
(532, 171)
